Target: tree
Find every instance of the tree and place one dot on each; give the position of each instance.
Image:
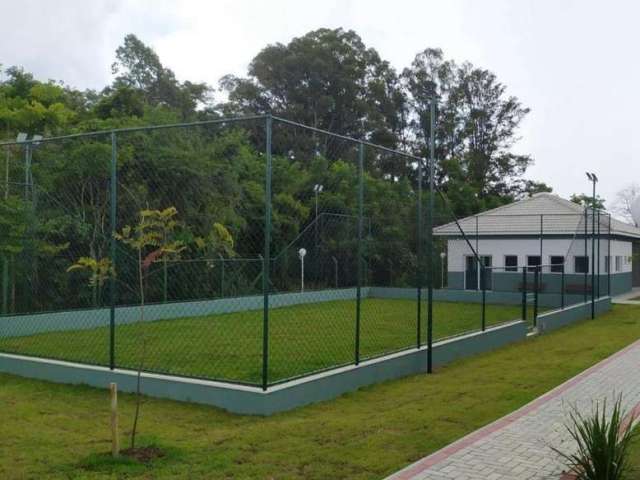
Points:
(623, 201)
(476, 129)
(152, 241)
(587, 200)
(528, 188)
(138, 68)
(327, 79)
(13, 227)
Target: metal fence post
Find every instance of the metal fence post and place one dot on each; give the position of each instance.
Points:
(524, 294)
(359, 266)
(586, 261)
(483, 273)
(598, 272)
(609, 255)
(536, 284)
(562, 288)
(429, 227)
(593, 260)
(266, 263)
(113, 245)
(420, 259)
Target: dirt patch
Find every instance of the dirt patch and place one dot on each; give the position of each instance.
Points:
(144, 454)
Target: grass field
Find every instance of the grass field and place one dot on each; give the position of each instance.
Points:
(302, 338)
(55, 431)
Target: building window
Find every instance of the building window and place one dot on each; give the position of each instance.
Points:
(557, 263)
(618, 263)
(510, 263)
(581, 264)
(533, 261)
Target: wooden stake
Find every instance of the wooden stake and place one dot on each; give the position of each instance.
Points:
(115, 441)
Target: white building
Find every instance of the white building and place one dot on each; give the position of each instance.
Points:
(545, 232)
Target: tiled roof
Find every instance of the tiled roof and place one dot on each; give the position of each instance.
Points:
(544, 212)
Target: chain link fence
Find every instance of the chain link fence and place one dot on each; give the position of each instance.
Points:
(257, 250)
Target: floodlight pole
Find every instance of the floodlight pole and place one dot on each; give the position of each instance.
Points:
(5, 256)
(359, 249)
(113, 225)
(429, 227)
(419, 254)
(266, 264)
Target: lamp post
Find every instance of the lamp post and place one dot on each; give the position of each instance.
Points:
(317, 188)
(301, 253)
(593, 179)
(442, 257)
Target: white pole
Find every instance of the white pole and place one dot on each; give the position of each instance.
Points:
(301, 253)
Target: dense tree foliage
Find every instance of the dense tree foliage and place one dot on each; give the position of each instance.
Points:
(214, 176)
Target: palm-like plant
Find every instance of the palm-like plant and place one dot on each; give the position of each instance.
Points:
(602, 443)
(100, 270)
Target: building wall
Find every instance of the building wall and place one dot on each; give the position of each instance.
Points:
(498, 248)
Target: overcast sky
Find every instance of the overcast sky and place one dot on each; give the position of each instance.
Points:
(576, 64)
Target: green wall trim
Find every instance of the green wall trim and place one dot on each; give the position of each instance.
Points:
(286, 396)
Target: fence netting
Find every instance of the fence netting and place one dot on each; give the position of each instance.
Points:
(259, 250)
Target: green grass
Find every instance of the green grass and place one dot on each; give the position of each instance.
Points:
(57, 431)
(634, 455)
(303, 338)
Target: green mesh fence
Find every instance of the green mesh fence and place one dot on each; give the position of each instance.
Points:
(258, 250)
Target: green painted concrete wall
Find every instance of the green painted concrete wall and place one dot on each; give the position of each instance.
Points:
(559, 318)
(30, 324)
(293, 394)
(510, 281)
(473, 296)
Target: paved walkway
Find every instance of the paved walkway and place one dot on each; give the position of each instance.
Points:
(627, 298)
(518, 446)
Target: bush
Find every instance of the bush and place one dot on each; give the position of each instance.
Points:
(603, 443)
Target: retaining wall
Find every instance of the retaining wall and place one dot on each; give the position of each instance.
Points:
(281, 397)
(559, 318)
(30, 324)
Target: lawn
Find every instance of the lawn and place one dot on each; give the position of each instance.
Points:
(58, 431)
(302, 338)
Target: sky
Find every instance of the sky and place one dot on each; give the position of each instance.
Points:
(573, 63)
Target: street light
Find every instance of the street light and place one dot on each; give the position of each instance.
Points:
(317, 188)
(442, 257)
(301, 253)
(594, 179)
(30, 145)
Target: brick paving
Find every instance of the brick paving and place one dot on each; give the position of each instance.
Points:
(519, 446)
